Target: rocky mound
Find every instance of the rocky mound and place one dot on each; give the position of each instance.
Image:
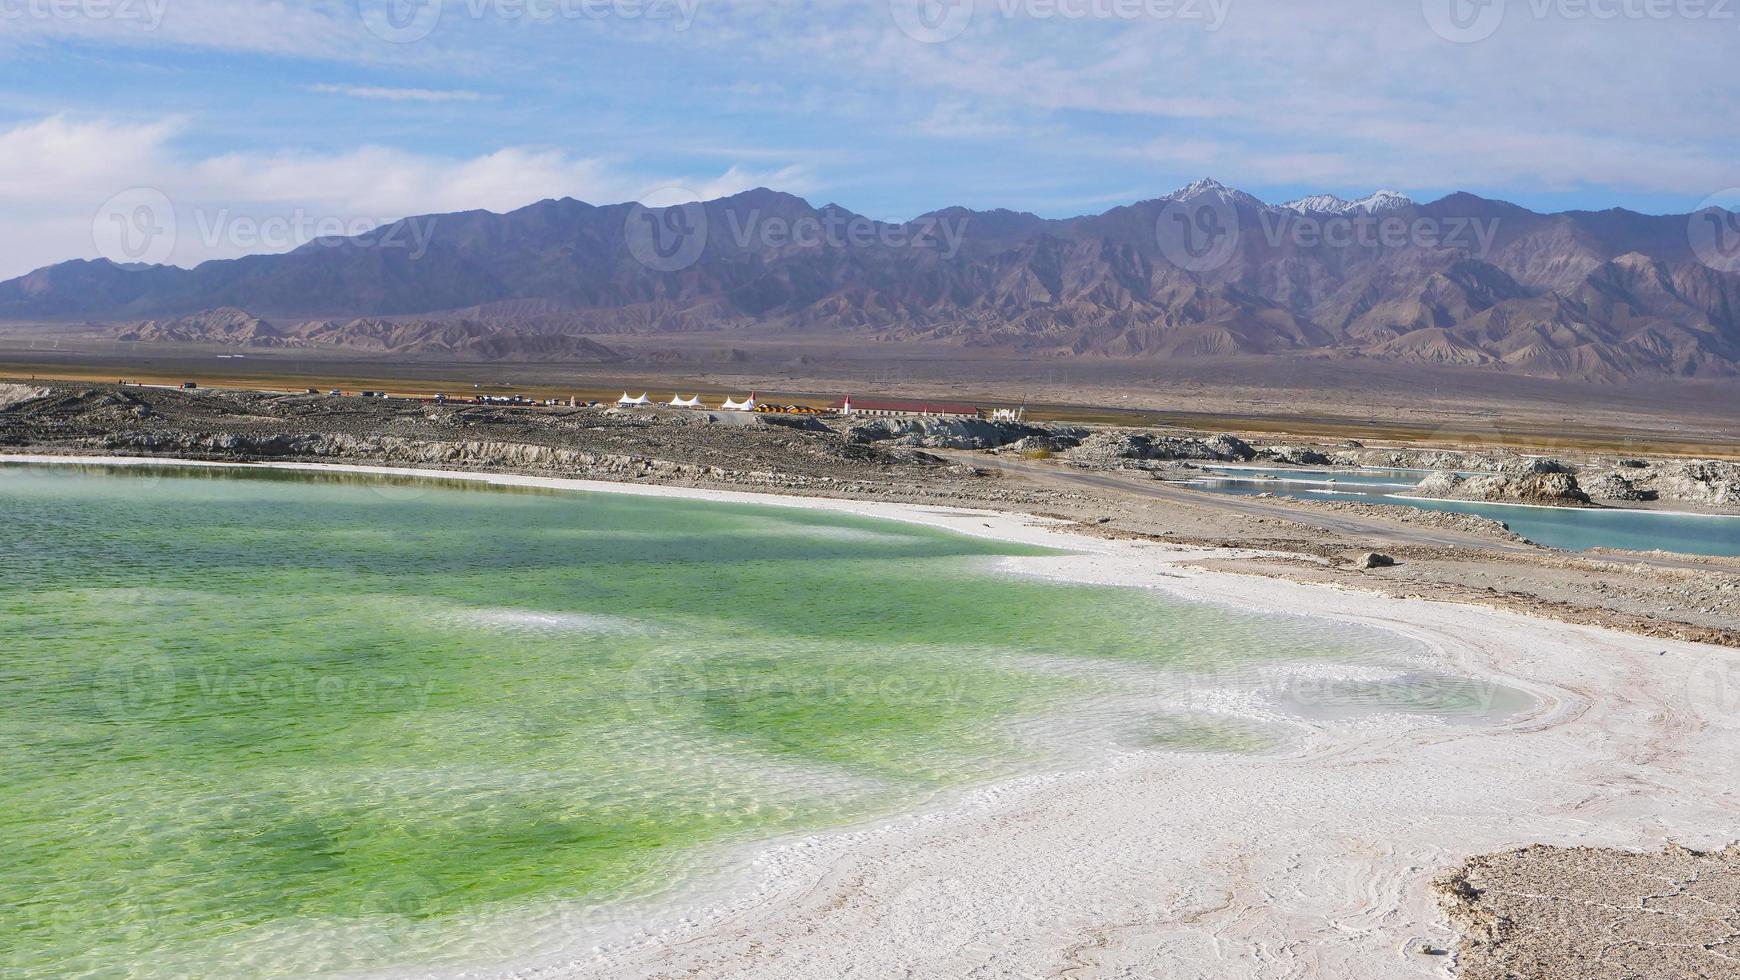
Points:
(960, 433)
(11, 395)
(1295, 456)
(1121, 450)
(1534, 487)
(1616, 486)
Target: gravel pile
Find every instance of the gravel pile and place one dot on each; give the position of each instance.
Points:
(1127, 450)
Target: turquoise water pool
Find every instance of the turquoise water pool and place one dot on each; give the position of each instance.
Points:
(260, 723)
(1571, 528)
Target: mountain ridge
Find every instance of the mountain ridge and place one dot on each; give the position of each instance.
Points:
(1463, 280)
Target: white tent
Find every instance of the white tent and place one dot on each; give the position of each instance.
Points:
(678, 401)
(747, 405)
(627, 402)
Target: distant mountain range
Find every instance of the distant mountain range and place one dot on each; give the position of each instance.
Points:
(1205, 271)
(458, 337)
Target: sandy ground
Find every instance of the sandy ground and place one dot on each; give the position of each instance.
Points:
(1579, 912)
(1314, 862)
(1340, 399)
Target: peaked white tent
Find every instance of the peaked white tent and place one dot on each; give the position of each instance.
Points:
(678, 401)
(627, 402)
(747, 405)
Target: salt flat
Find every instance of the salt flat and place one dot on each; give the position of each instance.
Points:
(1316, 861)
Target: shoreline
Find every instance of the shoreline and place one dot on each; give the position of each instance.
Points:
(1356, 470)
(1063, 859)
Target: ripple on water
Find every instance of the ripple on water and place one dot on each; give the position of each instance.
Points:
(536, 621)
(448, 714)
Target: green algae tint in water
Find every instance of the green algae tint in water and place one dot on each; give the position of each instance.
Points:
(245, 709)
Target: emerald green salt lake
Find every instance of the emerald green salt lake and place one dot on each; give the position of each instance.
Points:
(263, 723)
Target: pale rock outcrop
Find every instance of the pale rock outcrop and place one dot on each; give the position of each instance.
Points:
(1555, 488)
(1118, 449)
(11, 395)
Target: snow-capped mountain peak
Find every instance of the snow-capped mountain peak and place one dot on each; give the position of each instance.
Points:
(1214, 190)
(1317, 204)
(1375, 203)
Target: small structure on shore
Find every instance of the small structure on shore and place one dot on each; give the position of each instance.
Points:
(678, 401)
(747, 405)
(627, 402)
(769, 409)
(911, 409)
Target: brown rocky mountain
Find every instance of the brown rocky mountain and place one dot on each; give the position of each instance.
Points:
(455, 337)
(1204, 272)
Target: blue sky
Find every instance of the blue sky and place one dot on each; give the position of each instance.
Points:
(300, 111)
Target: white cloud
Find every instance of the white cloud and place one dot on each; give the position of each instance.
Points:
(1352, 92)
(57, 174)
(792, 180)
(326, 30)
(1333, 94)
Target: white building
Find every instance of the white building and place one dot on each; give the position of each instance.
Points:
(748, 405)
(627, 402)
(678, 401)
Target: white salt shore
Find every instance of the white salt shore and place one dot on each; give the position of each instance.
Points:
(1316, 862)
